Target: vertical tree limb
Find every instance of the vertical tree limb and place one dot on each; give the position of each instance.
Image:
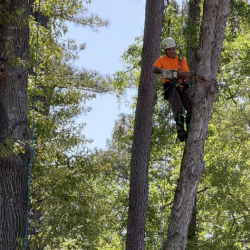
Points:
(207, 58)
(138, 195)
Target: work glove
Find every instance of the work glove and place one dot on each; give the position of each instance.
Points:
(169, 74)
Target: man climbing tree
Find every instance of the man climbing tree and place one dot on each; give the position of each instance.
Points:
(207, 60)
(174, 71)
(138, 194)
(14, 127)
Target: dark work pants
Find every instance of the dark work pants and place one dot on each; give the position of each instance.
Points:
(179, 98)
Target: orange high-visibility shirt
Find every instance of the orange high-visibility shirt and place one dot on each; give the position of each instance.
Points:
(166, 62)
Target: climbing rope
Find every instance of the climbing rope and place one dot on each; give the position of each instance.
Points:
(164, 170)
(165, 166)
(32, 129)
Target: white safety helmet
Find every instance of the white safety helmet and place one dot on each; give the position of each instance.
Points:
(168, 43)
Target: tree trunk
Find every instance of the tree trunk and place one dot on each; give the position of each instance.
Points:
(193, 222)
(14, 49)
(191, 35)
(207, 59)
(138, 195)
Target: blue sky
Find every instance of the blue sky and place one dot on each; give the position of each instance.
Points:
(104, 48)
(102, 53)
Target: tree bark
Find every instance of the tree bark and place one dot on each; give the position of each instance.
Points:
(207, 59)
(138, 195)
(14, 49)
(192, 32)
(191, 35)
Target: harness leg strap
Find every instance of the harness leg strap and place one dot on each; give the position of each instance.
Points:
(188, 119)
(181, 133)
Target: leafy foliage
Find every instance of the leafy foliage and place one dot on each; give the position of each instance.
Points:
(222, 203)
(80, 198)
(65, 197)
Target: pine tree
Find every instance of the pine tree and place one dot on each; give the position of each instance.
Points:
(138, 195)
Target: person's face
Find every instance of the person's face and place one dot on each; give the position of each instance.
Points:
(170, 52)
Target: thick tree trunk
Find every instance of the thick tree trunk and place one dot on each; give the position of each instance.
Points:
(191, 35)
(138, 195)
(207, 59)
(14, 49)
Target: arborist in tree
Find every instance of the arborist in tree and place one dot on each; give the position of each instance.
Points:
(174, 70)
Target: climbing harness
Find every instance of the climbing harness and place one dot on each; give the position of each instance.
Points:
(166, 91)
(32, 130)
(172, 75)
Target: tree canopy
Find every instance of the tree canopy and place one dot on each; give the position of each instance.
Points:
(79, 196)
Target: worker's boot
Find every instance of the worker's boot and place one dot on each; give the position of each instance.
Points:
(188, 119)
(181, 133)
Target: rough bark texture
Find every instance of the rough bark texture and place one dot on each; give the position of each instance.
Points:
(192, 31)
(14, 45)
(211, 37)
(138, 195)
(193, 222)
